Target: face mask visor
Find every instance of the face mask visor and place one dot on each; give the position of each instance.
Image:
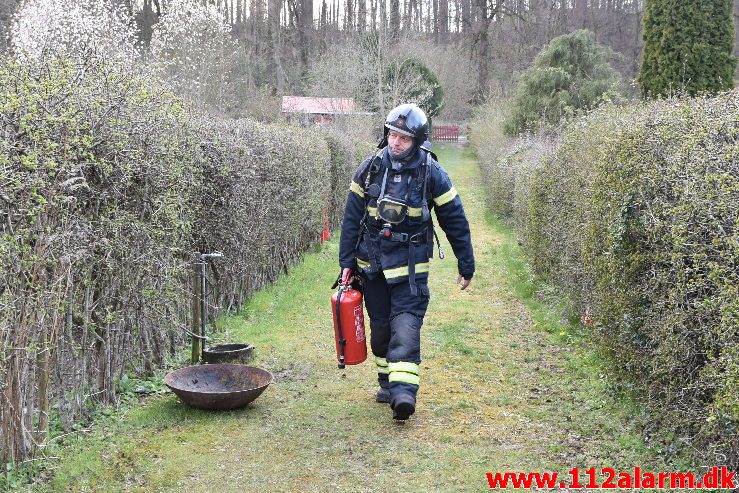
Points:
(391, 211)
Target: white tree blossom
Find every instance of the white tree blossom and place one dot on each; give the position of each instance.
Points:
(193, 47)
(72, 26)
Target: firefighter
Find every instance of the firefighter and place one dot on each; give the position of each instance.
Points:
(387, 238)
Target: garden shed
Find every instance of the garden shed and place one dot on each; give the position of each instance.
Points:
(315, 110)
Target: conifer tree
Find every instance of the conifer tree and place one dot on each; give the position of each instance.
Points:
(568, 76)
(688, 47)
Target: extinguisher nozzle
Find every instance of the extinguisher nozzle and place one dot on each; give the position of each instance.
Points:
(341, 366)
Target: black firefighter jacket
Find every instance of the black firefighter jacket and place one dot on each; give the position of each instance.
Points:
(367, 250)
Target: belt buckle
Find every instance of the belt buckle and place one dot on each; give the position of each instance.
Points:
(403, 237)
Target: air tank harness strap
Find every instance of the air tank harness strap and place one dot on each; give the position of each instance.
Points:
(421, 235)
(370, 249)
(426, 214)
(412, 240)
(418, 238)
(363, 225)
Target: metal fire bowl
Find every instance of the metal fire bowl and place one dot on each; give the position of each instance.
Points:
(228, 353)
(218, 386)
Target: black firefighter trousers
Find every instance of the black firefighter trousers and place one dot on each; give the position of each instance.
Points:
(396, 317)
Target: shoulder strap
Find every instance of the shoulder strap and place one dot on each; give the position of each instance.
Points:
(426, 171)
(364, 165)
(370, 165)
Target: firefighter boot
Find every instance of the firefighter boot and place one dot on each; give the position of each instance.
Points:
(383, 395)
(403, 406)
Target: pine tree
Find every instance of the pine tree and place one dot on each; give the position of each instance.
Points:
(688, 47)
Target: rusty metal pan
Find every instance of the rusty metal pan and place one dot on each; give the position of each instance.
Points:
(228, 353)
(218, 386)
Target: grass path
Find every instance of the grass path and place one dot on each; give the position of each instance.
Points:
(505, 386)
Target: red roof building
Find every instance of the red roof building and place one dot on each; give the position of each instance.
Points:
(322, 110)
(324, 106)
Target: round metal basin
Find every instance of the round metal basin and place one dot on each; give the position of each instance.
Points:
(218, 386)
(228, 353)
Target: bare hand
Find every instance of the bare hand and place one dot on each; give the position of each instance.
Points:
(463, 283)
(347, 276)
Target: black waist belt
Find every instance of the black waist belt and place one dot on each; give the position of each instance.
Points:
(417, 238)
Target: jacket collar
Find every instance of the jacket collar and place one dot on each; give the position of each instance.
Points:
(413, 161)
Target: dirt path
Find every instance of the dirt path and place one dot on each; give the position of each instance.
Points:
(498, 393)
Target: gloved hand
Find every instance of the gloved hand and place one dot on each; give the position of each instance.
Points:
(463, 283)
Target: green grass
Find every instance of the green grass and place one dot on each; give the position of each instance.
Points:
(508, 383)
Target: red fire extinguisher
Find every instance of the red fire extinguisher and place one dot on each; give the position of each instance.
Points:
(346, 305)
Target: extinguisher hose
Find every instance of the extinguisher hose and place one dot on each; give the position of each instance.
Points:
(342, 341)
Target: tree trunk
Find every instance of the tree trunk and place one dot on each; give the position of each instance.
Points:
(380, 69)
(305, 33)
(457, 15)
(636, 49)
(273, 26)
(581, 14)
(383, 16)
(256, 21)
(736, 30)
(361, 15)
(466, 15)
(481, 42)
(434, 11)
(145, 20)
(349, 16)
(443, 20)
(394, 20)
(413, 20)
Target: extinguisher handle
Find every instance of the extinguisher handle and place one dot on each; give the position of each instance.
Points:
(336, 282)
(347, 276)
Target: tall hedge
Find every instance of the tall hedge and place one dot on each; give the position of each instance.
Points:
(688, 47)
(97, 170)
(109, 186)
(634, 211)
(262, 202)
(664, 263)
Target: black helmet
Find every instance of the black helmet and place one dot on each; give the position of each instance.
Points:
(410, 120)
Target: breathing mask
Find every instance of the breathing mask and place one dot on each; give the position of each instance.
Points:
(391, 210)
